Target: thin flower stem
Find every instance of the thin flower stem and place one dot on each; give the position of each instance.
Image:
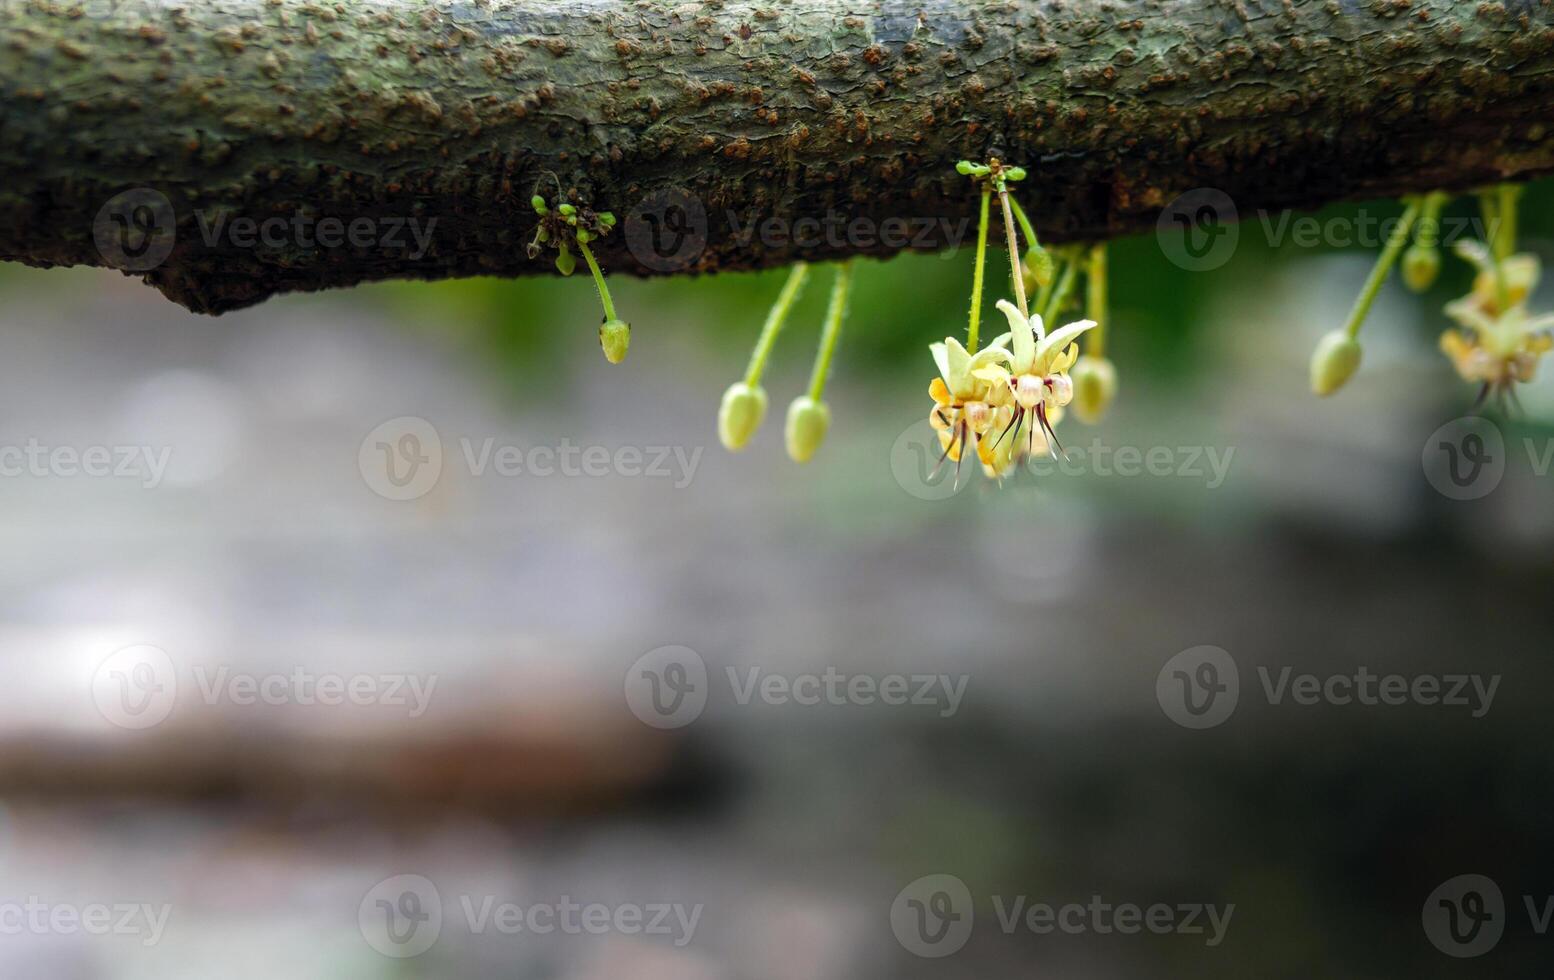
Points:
(1014, 250)
(1428, 232)
(833, 329)
(774, 322)
(1505, 232)
(1505, 239)
(604, 291)
(976, 275)
(1095, 300)
(1383, 268)
(1060, 294)
(1044, 293)
(1025, 223)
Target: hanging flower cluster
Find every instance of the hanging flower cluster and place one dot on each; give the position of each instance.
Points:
(1496, 343)
(1004, 401)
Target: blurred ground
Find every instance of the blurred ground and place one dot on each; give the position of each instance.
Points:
(270, 828)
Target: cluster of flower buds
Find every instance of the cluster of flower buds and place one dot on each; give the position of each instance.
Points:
(560, 228)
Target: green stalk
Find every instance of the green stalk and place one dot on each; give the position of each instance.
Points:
(976, 275)
(1428, 232)
(1014, 250)
(1060, 295)
(1044, 294)
(1505, 239)
(1025, 223)
(833, 329)
(1383, 268)
(604, 291)
(774, 321)
(1095, 300)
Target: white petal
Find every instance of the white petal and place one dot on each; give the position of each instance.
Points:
(959, 362)
(991, 354)
(1061, 338)
(1022, 344)
(941, 357)
(1474, 252)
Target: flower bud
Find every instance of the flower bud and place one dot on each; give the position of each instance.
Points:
(614, 337)
(1336, 358)
(1421, 264)
(1038, 266)
(1095, 385)
(806, 429)
(565, 263)
(743, 408)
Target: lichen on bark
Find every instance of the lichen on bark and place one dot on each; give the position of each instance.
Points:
(449, 114)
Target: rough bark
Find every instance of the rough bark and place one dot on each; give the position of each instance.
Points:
(836, 110)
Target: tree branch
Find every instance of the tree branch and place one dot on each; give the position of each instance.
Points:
(716, 125)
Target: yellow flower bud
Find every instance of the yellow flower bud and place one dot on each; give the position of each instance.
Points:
(806, 429)
(1421, 264)
(1336, 358)
(1095, 385)
(743, 408)
(615, 337)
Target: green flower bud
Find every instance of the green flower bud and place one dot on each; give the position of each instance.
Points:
(1336, 358)
(806, 428)
(1421, 264)
(565, 262)
(607, 219)
(539, 205)
(743, 408)
(1095, 385)
(615, 337)
(1038, 266)
(567, 210)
